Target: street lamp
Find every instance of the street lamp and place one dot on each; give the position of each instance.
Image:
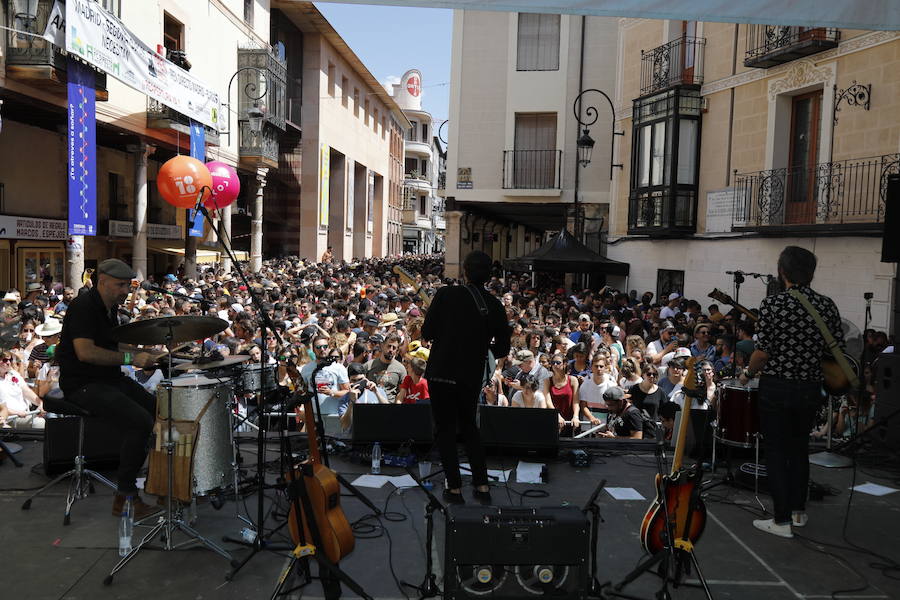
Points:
(586, 142)
(255, 114)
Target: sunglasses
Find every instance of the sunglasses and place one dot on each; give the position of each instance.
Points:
(654, 375)
(556, 362)
(5, 360)
(321, 346)
(28, 331)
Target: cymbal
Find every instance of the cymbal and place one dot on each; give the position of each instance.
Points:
(155, 331)
(228, 361)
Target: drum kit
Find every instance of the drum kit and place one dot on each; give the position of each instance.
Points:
(198, 411)
(737, 425)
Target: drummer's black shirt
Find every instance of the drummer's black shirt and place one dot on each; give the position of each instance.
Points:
(86, 317)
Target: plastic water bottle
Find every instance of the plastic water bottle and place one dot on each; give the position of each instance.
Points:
(376, 458)
(126, 527)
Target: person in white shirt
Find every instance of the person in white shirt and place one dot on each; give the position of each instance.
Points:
(331, 381)
(529, 396)
(666, 343)
(706, 401)
(671, 309)
(17, 400)
(590, 392)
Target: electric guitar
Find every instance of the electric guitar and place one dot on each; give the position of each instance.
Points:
(684, 517)
(324, 493)
(408, 279)
(836, 380)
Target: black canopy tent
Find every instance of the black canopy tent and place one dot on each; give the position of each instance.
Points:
(565, 254)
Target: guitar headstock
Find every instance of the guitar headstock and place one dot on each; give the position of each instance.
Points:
(405, 276)
(721, 296)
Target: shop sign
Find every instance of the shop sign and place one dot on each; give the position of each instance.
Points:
(30, 228)
(155, 231)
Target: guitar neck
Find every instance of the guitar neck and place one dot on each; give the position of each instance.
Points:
(725, 299)
(678, 457)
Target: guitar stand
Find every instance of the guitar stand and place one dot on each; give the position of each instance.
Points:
(675, 560)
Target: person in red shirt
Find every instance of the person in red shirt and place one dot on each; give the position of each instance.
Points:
(414, 387)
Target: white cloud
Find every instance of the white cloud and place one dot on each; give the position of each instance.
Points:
(389, 82)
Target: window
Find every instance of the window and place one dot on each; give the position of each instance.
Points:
(173, 33)
(113, 6)
(118, 208)
(366, 111)
(534, 162)
(423, 168)
(375, 120)
(412, 134)
(331, 75)
(425, 132)
(538, 42)
(356, 102)
(383, 128)
(411, 165)
(668, 281)
(248, 12)
(345, 91)
(423, 205)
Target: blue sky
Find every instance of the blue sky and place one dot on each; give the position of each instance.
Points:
(392, 39)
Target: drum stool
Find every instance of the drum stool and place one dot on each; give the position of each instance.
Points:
(81, 478)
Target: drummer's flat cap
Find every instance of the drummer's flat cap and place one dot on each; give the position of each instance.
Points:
(116, 268)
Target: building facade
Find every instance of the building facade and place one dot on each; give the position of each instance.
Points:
(421, 169)
(743, 139)
(512, 163)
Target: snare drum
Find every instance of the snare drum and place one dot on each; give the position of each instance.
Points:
(213, 451)
(738, 414)
(251, 377)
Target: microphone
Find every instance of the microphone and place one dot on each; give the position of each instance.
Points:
(734, 272)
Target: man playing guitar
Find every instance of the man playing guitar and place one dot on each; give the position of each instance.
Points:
(788, 353)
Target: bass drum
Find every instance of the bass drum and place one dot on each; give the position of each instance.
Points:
(213, 451)
(738, 414)
(252, 378)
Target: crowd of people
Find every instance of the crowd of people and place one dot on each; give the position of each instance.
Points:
(609, 362)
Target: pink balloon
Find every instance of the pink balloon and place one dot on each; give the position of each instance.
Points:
(225, 185)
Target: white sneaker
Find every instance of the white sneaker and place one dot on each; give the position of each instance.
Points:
(770, 526)
(799, 518)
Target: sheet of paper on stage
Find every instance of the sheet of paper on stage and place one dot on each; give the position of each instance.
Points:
(404, 481)
(874, 489)
(371, 481)
(501, 475)
(527, 472)
(623, 493)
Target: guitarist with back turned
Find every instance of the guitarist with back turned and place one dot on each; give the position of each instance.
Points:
(789, 350)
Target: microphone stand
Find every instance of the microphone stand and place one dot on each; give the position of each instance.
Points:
(259, 542)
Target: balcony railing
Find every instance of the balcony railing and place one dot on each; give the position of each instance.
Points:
(849, 193)
(680, 62)
(770, 45)
(663, 213)
(160, 116)
(532, 169)
(269, 90)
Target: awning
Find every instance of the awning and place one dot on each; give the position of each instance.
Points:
(870, 14)
(565, 254)
(204, 256)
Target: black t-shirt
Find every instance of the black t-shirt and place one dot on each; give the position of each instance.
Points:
(628, 422)
(87, 317)
(649, 402)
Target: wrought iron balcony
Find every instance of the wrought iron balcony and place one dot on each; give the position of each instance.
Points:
(258, 149)
(770, 45)
(532, 169)
(33, 59)
(663, 213)
(849, 194)
(160, 116)
(268, 91)
(680, 62)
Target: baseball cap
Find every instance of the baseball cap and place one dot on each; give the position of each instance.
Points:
(682, 352)
(523, 356)
(674, 296)
(170, 277)
(614, 394)
(356, 369)
(376, 338)
(371, 320)
(584, 317)
(667, 325)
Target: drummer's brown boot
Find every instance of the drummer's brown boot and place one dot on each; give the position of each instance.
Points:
(141, 509)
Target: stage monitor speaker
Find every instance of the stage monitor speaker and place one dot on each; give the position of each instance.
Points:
(392, 423)
(887, 400)
(890, 244)
(102, 441)
(510, 553)
(517, 430)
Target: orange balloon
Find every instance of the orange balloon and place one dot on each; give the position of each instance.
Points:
(181, 180)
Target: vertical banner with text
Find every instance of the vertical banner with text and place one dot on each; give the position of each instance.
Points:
(198, 151)
(324, 183)
(82, 149)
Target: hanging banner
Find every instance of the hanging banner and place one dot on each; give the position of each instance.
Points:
(198, 151)
(55, 31)
(324, 183)
(82, 149)
(103, 41)
(370, 202)
(350, 170)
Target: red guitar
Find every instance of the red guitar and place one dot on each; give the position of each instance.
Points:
(686, 514)
(324, 492)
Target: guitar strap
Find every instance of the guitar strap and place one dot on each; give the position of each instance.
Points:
(483, 311)
(832, 344)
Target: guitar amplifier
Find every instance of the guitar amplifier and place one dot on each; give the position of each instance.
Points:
(510, 553)
(887, 400)
(517, 431)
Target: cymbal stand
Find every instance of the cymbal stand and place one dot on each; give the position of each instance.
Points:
(172, 520)
(428, 588)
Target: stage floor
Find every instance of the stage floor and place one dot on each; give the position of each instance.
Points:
(42, 559)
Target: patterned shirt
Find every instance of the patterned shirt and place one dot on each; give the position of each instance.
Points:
(789, 335)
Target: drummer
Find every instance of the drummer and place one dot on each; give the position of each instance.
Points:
(90, 376)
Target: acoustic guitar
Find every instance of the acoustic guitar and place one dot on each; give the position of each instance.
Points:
(685, 516)
(324, 493)
(408, 279)
(836, 381)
